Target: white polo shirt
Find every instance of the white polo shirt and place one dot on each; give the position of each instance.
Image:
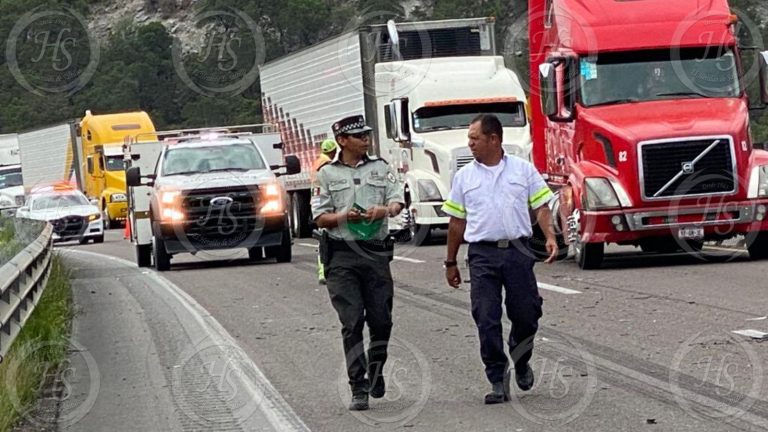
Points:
(495, 200)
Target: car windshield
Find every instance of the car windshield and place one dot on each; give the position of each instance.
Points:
(115, 163)
(58, 201)
(658, 75)
(435, 118)
(234, 157)
(10, 179)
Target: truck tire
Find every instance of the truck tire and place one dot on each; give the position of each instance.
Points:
(160, 256)
(589, 256)
(758, 248)
(99, 239)
(300, 214)
(283, 252)
(255, 253)
(144, 255)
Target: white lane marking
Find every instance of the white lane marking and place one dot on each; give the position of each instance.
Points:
(280, 415)
(558, 289)
(754, 334)
(410, 260)
(758, 318)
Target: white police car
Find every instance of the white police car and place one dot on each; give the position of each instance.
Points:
(70, 213)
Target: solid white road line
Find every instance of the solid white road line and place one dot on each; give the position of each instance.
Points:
(754, 334)
(557, 289)
(275, 408)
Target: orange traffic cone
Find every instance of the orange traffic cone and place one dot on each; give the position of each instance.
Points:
(127, 231)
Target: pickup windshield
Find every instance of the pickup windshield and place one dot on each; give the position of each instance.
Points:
(435, 118)
(190, 160)
(658, 75)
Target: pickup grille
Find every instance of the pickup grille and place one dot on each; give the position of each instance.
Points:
(221, 213)
(69, 226)
(712, 174)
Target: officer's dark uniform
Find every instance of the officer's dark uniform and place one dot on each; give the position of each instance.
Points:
(357, 272)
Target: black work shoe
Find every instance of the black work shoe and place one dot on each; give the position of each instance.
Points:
(378, 388)
(359, 402)
(499, 391)
(524, 377)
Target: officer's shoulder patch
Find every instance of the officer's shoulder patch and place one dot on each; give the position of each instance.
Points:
(391, 178)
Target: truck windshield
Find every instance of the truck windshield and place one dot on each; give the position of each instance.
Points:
(10, 179)
(434, 118)
(234, 157)
(658, 75)
(115, 163)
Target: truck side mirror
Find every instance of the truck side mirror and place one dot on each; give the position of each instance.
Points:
(133, 176)
(763, 59)
(402, 124)
(390, 119)
(548, 89)
(292, 165)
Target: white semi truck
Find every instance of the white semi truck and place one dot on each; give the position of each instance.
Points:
(11, 186)
(418, 84)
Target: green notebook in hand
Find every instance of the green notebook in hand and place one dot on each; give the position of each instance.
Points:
(364, 230)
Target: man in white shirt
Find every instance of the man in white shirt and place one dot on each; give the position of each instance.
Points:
(489, 207)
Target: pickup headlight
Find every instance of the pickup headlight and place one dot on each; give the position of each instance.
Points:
(118, 197)
(758, 183)
(428, 191)
(94, 217)
(271, 198)
(601, 193)
(170, 205)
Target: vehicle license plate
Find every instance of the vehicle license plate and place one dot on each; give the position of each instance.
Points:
(691, 233)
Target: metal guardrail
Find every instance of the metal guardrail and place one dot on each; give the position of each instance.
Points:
(22, 281)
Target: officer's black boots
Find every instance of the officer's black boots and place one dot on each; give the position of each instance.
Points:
(524, 377)
(499, 391)
(359, 402)
(376, 376)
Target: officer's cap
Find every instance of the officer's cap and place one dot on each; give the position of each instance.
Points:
(350, 125)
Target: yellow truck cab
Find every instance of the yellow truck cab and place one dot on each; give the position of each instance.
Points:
(103, 173)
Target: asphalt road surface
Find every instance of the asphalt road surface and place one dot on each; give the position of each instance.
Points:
(223, 343)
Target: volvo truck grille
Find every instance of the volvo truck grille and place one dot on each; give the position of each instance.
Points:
(691, 167)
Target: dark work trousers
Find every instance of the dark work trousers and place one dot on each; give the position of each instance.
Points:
(361, 289)
(490, 269)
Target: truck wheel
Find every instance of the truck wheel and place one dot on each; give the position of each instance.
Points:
(160, 255)
(589, 255)
(107, 222)
(758, 249)
(300, 214)
(143, 255)
(99, 239)
(283, 252)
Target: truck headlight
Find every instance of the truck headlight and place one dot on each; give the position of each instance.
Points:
(6, 202)
(758, 183)
(428, 191)
(118, 197)
(601, 193)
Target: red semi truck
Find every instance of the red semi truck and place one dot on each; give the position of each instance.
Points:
(640, 122)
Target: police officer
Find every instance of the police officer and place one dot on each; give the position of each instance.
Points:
(489, 207)
(356, 193)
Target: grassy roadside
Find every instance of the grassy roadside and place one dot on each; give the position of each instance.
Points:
(40, 347)
(9, 245)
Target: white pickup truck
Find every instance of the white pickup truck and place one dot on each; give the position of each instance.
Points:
(208, 189)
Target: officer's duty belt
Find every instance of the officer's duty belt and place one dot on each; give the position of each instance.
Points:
(504, 244)
(356, 245)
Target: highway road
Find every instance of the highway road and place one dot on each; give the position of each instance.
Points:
(223, 343)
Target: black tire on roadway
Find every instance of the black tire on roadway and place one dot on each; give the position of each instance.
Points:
(758, 249)
(160, 256)
(300, 214)
(144, 255)
(283, 252)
